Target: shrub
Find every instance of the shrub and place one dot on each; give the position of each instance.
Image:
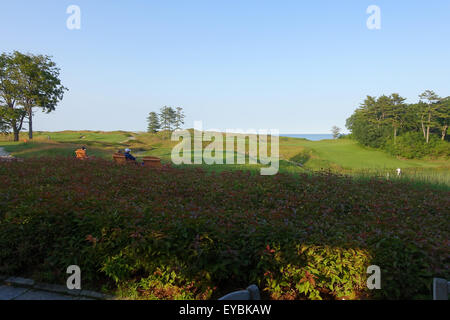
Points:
(188, 234)
(412, 145)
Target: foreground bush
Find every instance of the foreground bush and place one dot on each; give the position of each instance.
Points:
(187, 234)
(411, 145)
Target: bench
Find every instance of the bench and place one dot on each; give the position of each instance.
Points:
(119, 158)
(152, 162)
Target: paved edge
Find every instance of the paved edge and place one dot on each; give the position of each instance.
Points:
(32, 285)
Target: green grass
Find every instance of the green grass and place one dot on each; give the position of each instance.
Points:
(347, 154)
(341, 156)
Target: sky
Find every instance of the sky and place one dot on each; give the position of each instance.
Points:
(296, 66)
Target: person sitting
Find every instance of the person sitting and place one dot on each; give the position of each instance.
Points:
(81, 153)
(128, 155)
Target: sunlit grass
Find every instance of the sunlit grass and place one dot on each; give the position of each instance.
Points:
(340, 156)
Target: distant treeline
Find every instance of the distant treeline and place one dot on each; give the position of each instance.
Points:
(414, 130)
(167, 119)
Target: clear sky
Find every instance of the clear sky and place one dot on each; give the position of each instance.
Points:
(297, 66)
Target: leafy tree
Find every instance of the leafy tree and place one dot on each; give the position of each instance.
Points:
(365, 131)
(179, 118)
(336, 131)
(4, 127)
(11, 113)
(153, 122)
(39, 80)
(388, 122)
(27, 82)
(368, 124)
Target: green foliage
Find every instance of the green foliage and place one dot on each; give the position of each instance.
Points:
(179, 118)
(153, 123)
(190, 234)
(405, 269)
(315, 272)
(27, 81)
(366, 132)
(167, 118)
(406, 130)
(411, 145)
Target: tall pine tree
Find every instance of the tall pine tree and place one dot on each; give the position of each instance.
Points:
(179, 118)
(153, 122)
(167, 118)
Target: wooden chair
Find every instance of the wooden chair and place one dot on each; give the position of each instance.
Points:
(119, 158)
(152, 162)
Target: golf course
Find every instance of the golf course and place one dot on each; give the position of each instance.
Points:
(342, 156)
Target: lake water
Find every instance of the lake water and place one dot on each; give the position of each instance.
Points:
(312, 137)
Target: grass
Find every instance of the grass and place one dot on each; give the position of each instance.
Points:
(342, 156)
(347, 154)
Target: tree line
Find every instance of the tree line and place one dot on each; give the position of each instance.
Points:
(411, 130)
(168, 119)
(27, 82)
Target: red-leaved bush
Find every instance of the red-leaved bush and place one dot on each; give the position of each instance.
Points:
(190, 234)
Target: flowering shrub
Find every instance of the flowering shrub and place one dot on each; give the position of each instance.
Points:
(189, 234)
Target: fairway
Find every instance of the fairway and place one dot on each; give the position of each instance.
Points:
(349, 155)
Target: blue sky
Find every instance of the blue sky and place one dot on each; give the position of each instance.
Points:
(297, 66)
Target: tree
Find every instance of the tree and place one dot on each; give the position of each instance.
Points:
(336, 131)
(4, 127)
(167, 118)
(395, 112)
(388, 122)
(39, 80)
(368, 124)
(11, 113)
(27, 81)
(429, 112)
(153, 122)
(443, 116)
(179, 118)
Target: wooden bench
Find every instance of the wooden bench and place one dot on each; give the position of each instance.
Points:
(119, 158)
(152, 162)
